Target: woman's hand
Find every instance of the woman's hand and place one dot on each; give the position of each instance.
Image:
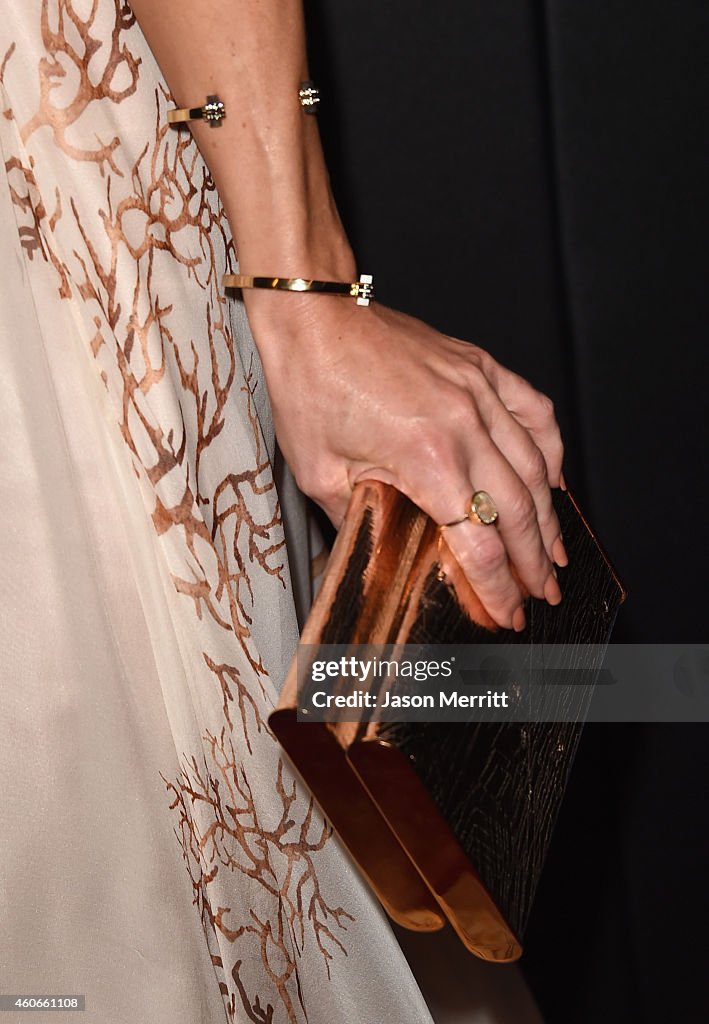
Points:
(369, 393)
(357, 392)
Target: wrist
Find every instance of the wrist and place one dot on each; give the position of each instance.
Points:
(297, 328)
(274, 310)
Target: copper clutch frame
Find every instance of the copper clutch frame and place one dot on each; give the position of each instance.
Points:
(387, 556)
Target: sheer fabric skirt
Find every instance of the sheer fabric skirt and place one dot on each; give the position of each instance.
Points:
(156, 853)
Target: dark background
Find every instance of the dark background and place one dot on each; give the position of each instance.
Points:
(533, 176)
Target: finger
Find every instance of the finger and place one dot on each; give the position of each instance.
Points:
(533, 410)
(522, 454)
(437, 481)
(517, 521)
(440, 482)
(480, 553)
(518, 447)
(536, 414)
(326, 481)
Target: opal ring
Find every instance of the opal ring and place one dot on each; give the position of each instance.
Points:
(482, 510)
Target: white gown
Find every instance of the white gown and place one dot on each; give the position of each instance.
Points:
(156, 854)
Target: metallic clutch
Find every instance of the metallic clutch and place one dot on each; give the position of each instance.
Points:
(445, 820)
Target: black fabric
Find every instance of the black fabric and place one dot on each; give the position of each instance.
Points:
(533, 176)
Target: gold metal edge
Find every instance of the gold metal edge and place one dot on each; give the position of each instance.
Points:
(434, 850)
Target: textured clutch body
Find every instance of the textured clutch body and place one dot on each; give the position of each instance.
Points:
(446, 820)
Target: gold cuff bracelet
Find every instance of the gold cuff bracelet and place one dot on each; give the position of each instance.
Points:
(362, 290)
(213, 112)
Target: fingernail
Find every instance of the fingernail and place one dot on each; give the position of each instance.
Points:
(552, 591)
(519, 620)
(559, 552)
(562, 482)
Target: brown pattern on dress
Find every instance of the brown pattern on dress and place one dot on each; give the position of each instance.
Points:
(236, 840)
(185, 406)
(80, 50)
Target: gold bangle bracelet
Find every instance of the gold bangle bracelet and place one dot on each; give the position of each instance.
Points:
(213, 112)
(362, 290)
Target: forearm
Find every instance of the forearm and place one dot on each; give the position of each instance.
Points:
(265, 157)
(355, 392)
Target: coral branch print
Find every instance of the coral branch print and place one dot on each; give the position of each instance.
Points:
(119, 212)
(73, 43)
(279, 857)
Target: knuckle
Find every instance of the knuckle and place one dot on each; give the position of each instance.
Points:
(536, 468)
(476, 378)
(486, 553)
(318, 481)
(522, 512)
(480, 359)
(548, 522)
(432, 444)
(546, 406)
(458, 410)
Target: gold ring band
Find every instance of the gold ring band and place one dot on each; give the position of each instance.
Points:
(482, 510)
